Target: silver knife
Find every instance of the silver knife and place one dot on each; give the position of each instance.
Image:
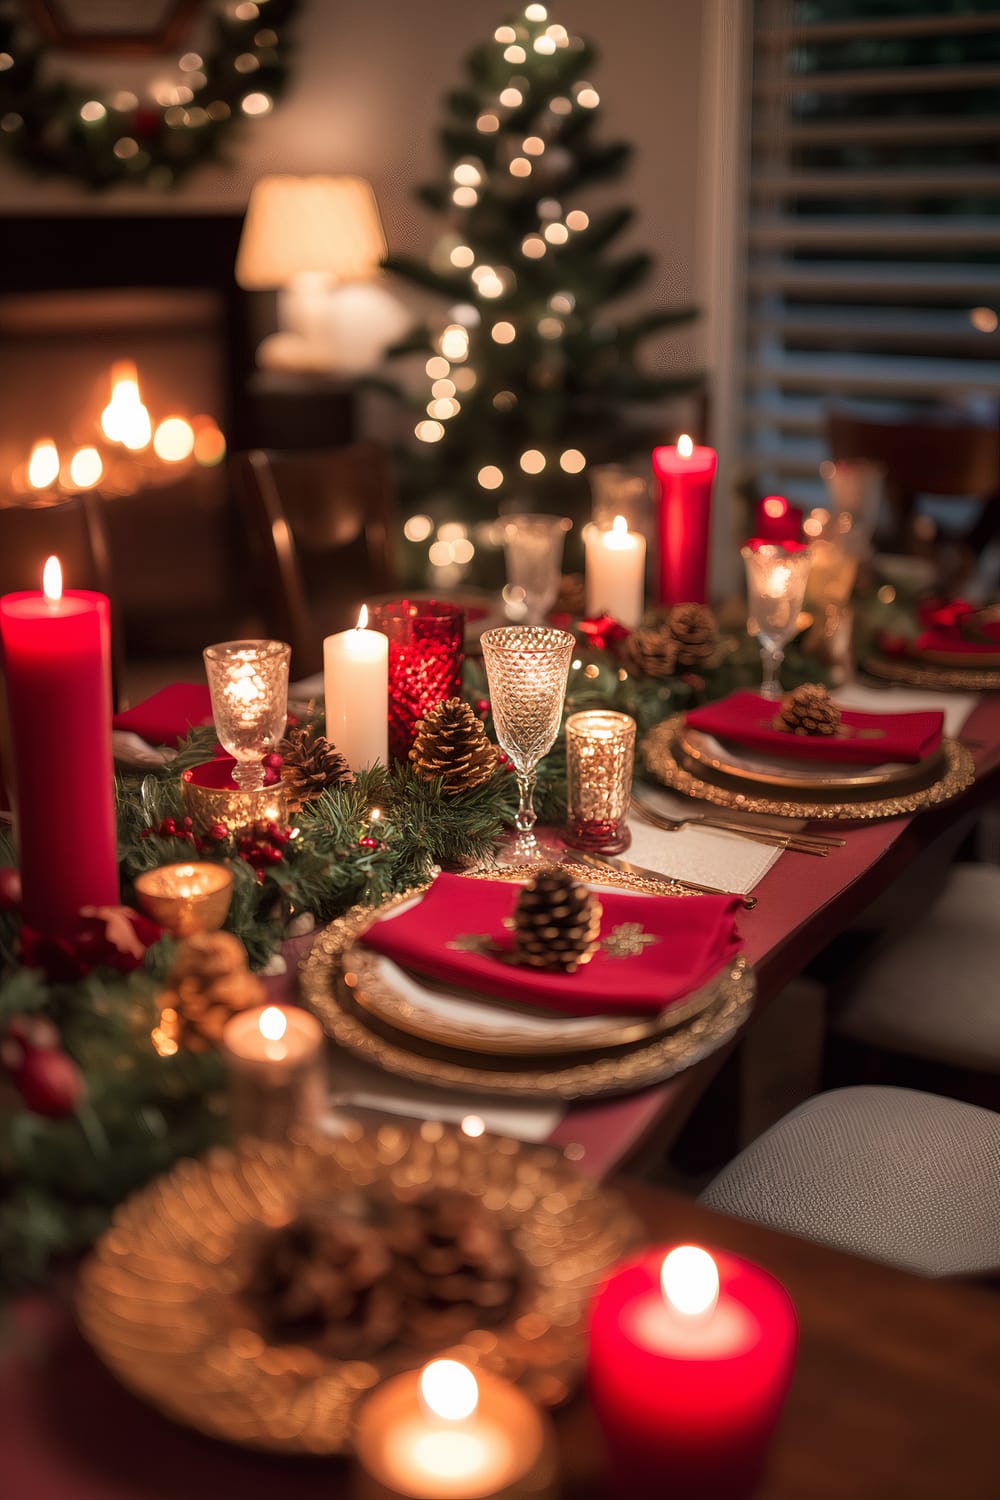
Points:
(597, 861)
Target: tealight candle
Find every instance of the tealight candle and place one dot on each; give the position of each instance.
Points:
(685, 473)
(186, 898)
(275, 1060)
(356, 679)
(691, 1358)
(443, 1433)
(616, 570)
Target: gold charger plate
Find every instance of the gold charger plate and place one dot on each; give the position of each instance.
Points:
(694, 750)
(630, 1065)
(665, 761)
(378, 994)
(927, 675)
(158, 1298)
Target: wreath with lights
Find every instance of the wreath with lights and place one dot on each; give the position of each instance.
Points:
(103, 137)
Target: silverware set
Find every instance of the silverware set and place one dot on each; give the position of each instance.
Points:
(818, 844)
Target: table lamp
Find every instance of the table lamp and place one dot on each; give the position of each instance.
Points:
(319, 241)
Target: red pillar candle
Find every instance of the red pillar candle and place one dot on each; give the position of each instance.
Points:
(691, 1358)
(57, 665)
(777, 521)
(685, 474)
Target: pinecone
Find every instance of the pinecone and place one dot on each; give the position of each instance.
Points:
(208, 983)
(455, 1267)
(451, 743)
(556, 922)
(650, 651)
(808, 710)
(572, 596)
(310, 764)
(696, 636)
(326, 1281)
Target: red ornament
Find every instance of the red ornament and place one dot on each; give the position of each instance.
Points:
(10, 889)
(50, 1083)
(113, 937)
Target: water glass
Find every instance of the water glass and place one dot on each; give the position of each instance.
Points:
(533, 548)
(776, 586)
(248, 681)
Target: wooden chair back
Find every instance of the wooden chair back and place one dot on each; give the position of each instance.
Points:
(323, 524)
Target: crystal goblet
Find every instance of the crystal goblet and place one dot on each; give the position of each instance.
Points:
(776, 586)
(533, 549)
(527, 667)
(248, 681)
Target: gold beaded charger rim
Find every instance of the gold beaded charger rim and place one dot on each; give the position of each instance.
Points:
(933, 675)
(158, 1298)
(661, 751)
(649, 1061)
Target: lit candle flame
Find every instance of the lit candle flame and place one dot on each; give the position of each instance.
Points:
(619, 526)
(448, 1390)
(43, 465)
(362, 618)
(86, 468)
(775, 506)
(125, 420)
(52, 584)
(685, 447)
(273, 1023)
(689, 1281)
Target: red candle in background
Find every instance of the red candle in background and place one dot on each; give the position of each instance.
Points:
(689, 1371)
(685, 474)
(57, 666)
(777, 521)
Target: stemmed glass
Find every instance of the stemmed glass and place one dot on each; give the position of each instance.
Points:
(776, 586)
(248, 681)
(527, 667)
(533, 549)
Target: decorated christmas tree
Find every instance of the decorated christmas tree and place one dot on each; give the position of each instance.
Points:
(530, 377)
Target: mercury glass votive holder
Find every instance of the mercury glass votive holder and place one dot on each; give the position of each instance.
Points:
(248, 681)
(527, 667)
(211, 797)
(426, 652)
(600, 757)
(186, 898)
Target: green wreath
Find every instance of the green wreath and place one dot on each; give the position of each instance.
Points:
(103, 137)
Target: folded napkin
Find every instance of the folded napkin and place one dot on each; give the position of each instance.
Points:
(457, 933)
(167, 717)
(958, 628)
(865, 739)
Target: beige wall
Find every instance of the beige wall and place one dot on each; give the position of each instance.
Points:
(365, 97)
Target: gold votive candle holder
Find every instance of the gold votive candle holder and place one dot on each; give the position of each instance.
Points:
(600, 757)
(277, 1084)
(444, 1433)
(211, 797)
(186, 898)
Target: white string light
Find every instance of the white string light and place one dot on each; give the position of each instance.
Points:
(532, 461)
(503, 333)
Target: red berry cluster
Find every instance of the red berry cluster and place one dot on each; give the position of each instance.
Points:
(263, 845)
(369, 843)
(171, 828)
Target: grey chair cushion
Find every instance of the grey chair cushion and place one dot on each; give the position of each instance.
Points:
(934, 992)
(899, 1176)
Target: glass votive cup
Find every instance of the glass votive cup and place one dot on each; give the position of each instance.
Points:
(248, 681)
(426, 652)
(186, 898)
(600, 756)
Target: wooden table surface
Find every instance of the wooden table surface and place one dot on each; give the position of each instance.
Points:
(896, 1393)
(802, 904)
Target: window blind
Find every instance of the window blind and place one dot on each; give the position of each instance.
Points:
(873, 258)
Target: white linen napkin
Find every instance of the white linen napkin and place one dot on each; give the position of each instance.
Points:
(956, 707)
(701, 855)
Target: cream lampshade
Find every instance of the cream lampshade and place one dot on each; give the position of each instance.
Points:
(315, 239)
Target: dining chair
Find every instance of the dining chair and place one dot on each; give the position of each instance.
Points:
(946, 455)
(892, 1174)
(322, 524)
(76, 532)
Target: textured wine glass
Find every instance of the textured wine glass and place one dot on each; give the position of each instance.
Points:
(527, 667)
(533, 549)
(248, 681)
(776, 586)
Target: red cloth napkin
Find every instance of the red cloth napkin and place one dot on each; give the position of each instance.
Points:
(166, 717)
(694, 937)
(953, 628)
(745, 719)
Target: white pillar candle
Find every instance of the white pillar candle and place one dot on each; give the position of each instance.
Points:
(276, 1083)
(356, 678)
(616, 567)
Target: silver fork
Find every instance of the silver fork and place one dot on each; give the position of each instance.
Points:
(795, 843)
